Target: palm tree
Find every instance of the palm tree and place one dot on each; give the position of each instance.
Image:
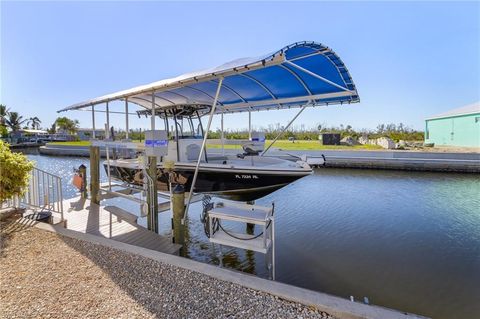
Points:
(34, 122)
(3, 113)
(66, 124)
(14, 121)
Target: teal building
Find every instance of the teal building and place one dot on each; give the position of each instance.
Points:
(457, 127)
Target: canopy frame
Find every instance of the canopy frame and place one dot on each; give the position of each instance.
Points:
(296, 61)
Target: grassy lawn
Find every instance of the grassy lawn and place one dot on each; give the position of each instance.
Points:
(282, 144)
(304, 145)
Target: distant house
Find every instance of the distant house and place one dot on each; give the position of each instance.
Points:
(27, 135)
(457, 127)
(86, 134)
(32, 132)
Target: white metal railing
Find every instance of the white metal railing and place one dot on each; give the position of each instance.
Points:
(43, 192)
(11, 202)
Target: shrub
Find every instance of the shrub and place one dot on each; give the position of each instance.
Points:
(14, 172)
(3, 131)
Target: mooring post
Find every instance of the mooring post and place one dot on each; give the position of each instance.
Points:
(152, 199)
(95, 174)
(82, 170)
(178, 207)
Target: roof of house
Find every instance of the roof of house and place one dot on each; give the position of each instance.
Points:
(90, 129)
(473, 108)
(32, 131)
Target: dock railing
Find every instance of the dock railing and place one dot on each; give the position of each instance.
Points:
(43, 192)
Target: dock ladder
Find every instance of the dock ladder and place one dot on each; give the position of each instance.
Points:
(249, 214)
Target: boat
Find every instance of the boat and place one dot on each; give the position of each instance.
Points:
(303, 74)
(244, 177)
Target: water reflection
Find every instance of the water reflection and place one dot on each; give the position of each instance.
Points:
(407, 240)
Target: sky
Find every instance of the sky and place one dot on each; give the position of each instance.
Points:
(409, 60)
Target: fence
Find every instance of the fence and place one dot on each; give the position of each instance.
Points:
(43, 192)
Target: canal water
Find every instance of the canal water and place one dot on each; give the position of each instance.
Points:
(405, 240)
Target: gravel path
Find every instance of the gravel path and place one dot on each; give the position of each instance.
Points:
(52, 276)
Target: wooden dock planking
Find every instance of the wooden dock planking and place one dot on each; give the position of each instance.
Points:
(86, 217)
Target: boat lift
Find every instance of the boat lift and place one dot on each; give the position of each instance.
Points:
(303, 74)
(246, 214)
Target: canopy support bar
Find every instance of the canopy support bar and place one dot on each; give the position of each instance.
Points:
(303, 99)
(316, 75)
(93, 121)
(249, 124)
(261, 85)
(153, 112)
(222, 136)
(107, 136)
(100, 111)
(126, 119)
(107, 131)
(285, 128)
(297, 77)
(204, 144)
(322, 51)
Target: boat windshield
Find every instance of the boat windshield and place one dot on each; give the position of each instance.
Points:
(181, 121)
(189, 127)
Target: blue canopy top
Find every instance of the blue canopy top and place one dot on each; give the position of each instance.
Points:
(299, 74)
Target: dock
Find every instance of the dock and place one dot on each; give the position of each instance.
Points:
(112, 222)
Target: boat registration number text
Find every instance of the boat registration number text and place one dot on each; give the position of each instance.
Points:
(246, 176)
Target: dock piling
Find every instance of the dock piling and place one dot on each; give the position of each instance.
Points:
(82, 170)
(95, 174)
(178, 207)
(152, 199)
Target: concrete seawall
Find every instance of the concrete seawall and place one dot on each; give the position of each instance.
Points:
(399, 160)
(67, 150)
